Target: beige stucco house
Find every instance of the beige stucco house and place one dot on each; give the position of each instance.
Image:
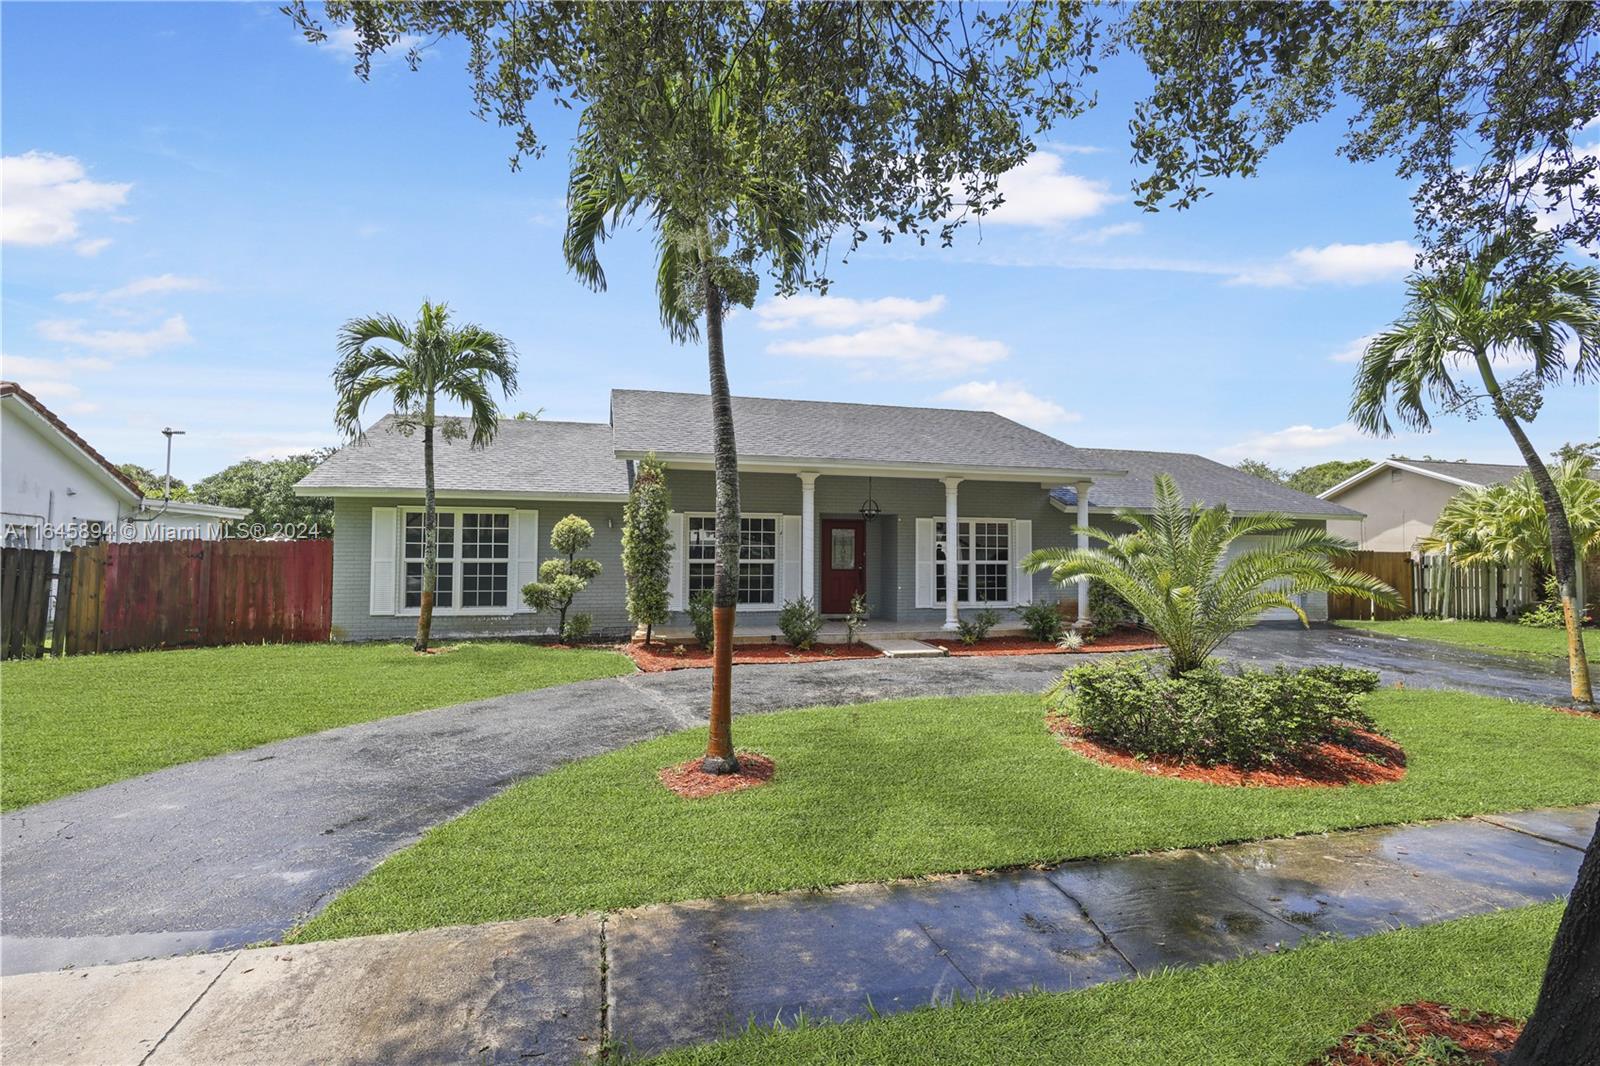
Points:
(1400, 499)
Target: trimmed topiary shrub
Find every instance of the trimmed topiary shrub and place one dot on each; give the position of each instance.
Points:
(1246, 718)
(800, 622)
(701, 618)
(1043, 622)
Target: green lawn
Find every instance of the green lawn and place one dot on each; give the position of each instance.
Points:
(1265, 1011)
(887, 790)
(1486, 636)
(74, 723)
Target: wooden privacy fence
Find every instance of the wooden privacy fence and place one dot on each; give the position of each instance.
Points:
(116, 597)
(1394, 568)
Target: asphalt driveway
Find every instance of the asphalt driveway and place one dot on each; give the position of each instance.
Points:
(236, 849)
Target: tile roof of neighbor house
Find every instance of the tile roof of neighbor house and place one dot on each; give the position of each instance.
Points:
(11, 388)
(1201, 480)
(551, 459)
(679, 423)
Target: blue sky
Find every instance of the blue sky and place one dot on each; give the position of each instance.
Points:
(196, 198)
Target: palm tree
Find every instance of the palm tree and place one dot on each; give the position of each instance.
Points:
(693, 281)
(1466, 320)
(1174, 569)
(416, 365)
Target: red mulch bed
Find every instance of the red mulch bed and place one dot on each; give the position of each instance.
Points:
(691, 782)
(1366, 759)
(659, 656)
(1395, 1037)
(1121, 640)
(1577, 712)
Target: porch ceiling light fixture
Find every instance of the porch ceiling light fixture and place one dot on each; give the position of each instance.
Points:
(869, 506)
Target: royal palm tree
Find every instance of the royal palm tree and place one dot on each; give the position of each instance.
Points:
(1464, 321)
(1174, 568)
(418, 365)
(693, 283)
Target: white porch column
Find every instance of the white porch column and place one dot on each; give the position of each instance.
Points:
(952, 554)
(808, 535)
(1081, 488)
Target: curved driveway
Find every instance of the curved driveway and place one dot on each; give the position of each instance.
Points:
(238, 848)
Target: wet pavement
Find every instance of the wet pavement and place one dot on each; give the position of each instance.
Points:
(653, 978)
(238, 848)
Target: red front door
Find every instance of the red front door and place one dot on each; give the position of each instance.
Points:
(844, 563)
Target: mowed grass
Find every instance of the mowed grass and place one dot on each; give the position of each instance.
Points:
(75, 723)
(1269, 1010)
(1486, 636)
(887, 790)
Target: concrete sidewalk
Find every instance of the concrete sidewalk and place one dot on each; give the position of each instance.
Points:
(652, 978)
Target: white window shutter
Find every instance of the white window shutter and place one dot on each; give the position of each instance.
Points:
(924, 562)
(789, 548)
(383, 580)
(526, 571)
(1021, 546)
(678, 528)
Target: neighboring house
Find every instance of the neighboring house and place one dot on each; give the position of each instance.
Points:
(56, 491)
(1400, 499)
(807, 472)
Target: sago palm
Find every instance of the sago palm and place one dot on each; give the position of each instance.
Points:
(1458, 325)
(1174, 569)
(694, 281)
(418, 365)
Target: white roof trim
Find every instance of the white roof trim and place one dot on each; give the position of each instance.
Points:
(365, 492)
(1071, 509)
(1395, 464)
(765, 464)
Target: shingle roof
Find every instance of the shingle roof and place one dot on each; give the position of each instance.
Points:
(1477, 473)
(679, 423)
(1201, 480)
(525, 458)
(11, 388)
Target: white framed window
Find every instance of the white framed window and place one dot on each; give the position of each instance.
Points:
(474, 570)
(758, 558)
(982, 561)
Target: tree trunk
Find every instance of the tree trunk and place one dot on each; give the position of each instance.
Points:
(1565, 1027)
(430, 535)
(725, 592)
(1563, 554)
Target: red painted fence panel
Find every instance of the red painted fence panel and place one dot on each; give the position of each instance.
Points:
(177, 593)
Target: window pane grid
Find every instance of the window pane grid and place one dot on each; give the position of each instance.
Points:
(982, 565)
(482, 537)
(758, 558)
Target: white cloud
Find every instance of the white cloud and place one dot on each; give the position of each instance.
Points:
(93, 247)
(1334, 264)
(1102, 234)
(341, 41)
(901, 348)
(1293, 439)
(1040, 193)
(1011, 399)
(170, 332)
(146, 286)
(842, 312)
(44, 194)
(1354, 351)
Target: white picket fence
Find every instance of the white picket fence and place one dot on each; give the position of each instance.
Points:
(1444, 590)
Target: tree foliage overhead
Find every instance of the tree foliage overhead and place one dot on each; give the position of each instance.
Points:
(1311, 480)
(152, 484)
(1482, 107)
(266, 488)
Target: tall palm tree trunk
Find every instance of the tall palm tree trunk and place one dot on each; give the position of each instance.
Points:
(430, 535)
(1562, 1029)
(1562, 552)
(725, 591)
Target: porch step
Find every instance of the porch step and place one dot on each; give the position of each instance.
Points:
(908, 649)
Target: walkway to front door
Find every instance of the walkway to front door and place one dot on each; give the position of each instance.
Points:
(844, 563)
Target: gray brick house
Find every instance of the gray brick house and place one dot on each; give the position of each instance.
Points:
(807, 470)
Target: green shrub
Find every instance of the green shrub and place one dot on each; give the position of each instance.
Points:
(1246, 718)
(856, 620)
(1043, 622)
(800, 622)
(973, 629)
(1107, 609)
(700, 617)
(578, 627)
(1546, 614)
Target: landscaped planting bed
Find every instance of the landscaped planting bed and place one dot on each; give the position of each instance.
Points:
(1117, 641)
(658, 657)
(1285, 1009)
(904, 788)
